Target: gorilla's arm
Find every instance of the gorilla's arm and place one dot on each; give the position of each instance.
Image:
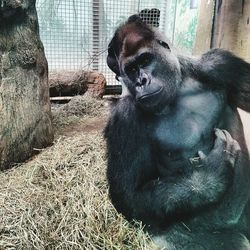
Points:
(134, 187)
(221, 69)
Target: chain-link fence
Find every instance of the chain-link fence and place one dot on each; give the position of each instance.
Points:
(76, 33)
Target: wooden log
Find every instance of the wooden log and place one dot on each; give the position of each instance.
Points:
(70, 83)
(67, 83)
(25, 116)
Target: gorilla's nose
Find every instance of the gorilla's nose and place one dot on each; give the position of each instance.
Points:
(144, 79)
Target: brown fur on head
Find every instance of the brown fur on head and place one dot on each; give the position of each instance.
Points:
(133, 35)
(147, 68)
(128, 38)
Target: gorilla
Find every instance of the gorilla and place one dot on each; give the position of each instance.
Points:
(177, 156)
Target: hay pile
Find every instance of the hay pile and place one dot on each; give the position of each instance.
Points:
(78, 108)
(59, 200)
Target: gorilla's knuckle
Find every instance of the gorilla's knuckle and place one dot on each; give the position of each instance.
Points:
(236, 146)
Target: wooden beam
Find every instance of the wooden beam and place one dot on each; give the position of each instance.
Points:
(228, 15)
(61, 98)
(205, 26)
(224, 24)
(243, 39)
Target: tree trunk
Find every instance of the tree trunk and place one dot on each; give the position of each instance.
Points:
(25, 116)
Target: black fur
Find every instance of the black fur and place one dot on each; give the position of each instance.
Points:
(187, 199)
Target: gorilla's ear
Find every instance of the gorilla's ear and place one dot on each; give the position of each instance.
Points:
(222, 69)
(134, 18)
(112, 58)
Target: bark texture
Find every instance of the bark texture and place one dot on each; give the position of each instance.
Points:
(25, 115)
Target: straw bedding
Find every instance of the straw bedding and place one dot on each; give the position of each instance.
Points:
(59, 198)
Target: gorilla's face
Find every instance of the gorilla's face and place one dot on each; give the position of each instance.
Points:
(150, 78)
(147, 67)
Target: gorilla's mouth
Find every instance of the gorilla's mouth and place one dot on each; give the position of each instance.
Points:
(149, 99)
(146, 95)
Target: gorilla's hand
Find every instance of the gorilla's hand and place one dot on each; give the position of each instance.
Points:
(223, 156)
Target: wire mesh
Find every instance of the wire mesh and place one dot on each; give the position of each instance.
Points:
(66, 32)
(76, 33)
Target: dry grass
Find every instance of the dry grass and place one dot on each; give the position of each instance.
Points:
(59, 200)
(79, 107)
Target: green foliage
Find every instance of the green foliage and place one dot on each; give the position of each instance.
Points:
(183, 5)
(185, 39)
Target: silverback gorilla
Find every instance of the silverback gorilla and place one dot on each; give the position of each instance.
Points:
(177, 157)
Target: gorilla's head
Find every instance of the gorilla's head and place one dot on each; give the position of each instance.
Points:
(143, 60)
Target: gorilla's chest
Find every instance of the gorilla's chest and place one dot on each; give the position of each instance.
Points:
(187, 128)
(189, 124)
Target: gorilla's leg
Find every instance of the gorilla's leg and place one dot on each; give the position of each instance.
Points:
(186, 240)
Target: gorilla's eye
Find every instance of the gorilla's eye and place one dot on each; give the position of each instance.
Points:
(145, 62)
(163, 44)
(131, 69)
(145, 59)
